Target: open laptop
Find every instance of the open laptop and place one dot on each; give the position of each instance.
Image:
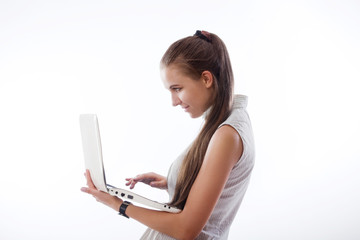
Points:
(93, 161)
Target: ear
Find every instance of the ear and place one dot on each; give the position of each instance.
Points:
(207, 79)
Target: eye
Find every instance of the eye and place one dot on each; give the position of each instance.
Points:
(176, 89)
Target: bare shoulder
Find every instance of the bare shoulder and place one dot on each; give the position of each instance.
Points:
(227, 132)
(227, 139)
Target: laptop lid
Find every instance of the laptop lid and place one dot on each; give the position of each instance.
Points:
(91, 142)
(90, 134)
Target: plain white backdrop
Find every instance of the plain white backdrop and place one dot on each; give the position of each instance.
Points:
(298, 62)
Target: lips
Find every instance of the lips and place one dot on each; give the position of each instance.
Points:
(185, 108)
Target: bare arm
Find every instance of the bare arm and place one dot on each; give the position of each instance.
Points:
(225, 148)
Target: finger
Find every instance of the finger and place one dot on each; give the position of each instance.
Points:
(88, 190)
(89, 181)
(133, 183)
(154, 184)
(142, 177)
(129, 181)
(138, 177)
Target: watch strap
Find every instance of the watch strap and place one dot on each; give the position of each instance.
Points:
(123, 207)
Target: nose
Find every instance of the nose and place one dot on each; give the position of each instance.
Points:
(175, 100)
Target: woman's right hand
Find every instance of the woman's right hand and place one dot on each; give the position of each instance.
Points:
(152, 179)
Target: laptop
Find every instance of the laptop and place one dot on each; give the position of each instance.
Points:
(94, 162)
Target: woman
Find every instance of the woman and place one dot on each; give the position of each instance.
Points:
(208, 181)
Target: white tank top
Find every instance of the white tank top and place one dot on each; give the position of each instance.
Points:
(218, 225)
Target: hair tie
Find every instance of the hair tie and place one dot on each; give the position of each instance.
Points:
(203, 35)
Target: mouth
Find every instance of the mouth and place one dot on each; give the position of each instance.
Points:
(185, 108)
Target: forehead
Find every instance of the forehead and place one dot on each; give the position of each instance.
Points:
(174, 75)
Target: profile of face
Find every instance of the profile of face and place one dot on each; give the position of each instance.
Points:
(195, 96)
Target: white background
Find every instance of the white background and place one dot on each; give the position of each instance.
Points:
(298, 61)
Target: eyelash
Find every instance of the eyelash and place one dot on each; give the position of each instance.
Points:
(176, 89)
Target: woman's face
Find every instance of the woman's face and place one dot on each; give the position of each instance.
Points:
(195, 96)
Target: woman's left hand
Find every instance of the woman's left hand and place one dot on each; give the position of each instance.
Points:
(100, 196)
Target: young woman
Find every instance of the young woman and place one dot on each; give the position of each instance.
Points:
(208, 181)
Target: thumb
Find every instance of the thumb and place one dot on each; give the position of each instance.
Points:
(155, 183)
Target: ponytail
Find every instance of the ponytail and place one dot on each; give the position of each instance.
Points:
(195, 54)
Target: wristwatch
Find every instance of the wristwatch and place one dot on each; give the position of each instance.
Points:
(123, 207)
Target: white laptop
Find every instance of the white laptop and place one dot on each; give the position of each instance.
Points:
(93, 161)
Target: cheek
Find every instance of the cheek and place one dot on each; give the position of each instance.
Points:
(188, 98)
(183, 96)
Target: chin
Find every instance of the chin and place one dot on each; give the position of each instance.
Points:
(195, 115)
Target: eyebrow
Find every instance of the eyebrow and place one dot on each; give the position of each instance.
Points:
(174, 86)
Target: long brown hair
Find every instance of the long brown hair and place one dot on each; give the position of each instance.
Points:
(195, 54)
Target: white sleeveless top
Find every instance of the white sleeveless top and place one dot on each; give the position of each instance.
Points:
(218, 225)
